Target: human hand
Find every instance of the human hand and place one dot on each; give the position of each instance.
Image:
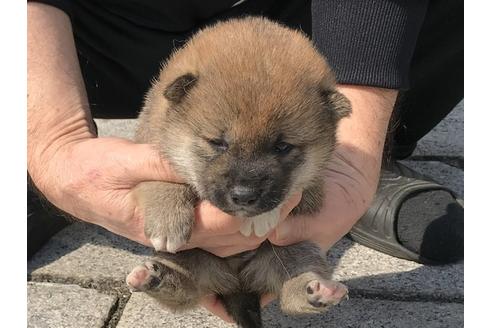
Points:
(87, 177)
(349, 188)
(92, 179)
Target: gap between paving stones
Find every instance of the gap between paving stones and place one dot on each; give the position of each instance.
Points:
(113, 286)
(119, 289)
(117, 311)
(105, 286)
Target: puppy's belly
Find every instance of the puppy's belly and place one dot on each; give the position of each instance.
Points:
(261, 224)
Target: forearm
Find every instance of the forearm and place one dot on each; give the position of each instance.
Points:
(362, 135)
(58, 111)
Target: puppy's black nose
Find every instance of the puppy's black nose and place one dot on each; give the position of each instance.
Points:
(242, 195)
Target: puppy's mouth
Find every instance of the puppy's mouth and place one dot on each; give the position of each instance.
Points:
(243, 211)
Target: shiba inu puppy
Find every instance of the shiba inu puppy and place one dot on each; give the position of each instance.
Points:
(247, 113)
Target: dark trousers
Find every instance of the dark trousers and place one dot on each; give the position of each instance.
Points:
(436, 77)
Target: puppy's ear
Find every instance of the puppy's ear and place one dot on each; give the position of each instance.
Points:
(180, 87)
(336, 103)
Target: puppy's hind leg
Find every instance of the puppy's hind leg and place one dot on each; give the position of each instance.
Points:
(172, 286)
(298, 274)
(178, 281)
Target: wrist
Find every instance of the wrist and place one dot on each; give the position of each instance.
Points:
(45, 142)
(371, 112)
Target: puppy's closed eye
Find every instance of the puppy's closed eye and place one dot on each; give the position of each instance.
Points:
(282, 148)
(218, 144)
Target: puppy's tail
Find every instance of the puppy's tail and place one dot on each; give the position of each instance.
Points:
(244, 308)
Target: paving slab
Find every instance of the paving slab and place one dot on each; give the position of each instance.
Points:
(447, 138)
(142, 311)
(56, 306)
(124, 128)
(88, 254)
(444, 174)
(370, 272)
(369, 313)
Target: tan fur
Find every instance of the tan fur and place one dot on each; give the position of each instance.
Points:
(255, 81)
(290, 63)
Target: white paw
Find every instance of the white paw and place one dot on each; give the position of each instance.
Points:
(158, 243)
(260, 224)
(170, 245)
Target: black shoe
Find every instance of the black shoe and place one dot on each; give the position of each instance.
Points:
(413, 218)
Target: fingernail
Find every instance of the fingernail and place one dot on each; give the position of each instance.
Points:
(282, 231)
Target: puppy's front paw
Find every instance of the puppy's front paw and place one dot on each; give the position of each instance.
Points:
(168, 228)
(169, 213)
(168, 243)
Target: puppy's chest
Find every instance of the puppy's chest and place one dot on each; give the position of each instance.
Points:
(239, 261)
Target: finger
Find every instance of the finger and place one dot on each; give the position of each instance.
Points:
(292, 230)
(289, 205)
(267, 299)
(209, 220)
(215, 306)
(146, 164)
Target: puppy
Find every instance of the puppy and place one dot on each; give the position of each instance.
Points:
(247, 113)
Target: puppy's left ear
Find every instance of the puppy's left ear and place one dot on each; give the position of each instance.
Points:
(179, 88)
(336, 103)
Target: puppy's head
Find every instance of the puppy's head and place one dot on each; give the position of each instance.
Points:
(247, 127)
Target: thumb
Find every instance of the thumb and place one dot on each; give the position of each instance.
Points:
(293, 230)
(146, 164)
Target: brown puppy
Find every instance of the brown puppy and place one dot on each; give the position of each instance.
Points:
(247, 113)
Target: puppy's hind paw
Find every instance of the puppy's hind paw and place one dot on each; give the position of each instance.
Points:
(311, 293)
(145, 277)
(321, 293)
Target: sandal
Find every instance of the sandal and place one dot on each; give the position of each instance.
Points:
(377, 227)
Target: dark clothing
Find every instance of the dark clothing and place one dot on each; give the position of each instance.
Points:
(415, 46)
(436, 74)
(121, 43)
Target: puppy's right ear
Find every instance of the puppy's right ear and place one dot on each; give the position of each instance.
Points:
(180, 87)
(338, 104)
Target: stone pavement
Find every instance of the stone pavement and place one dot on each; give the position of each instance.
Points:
(77, 278)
